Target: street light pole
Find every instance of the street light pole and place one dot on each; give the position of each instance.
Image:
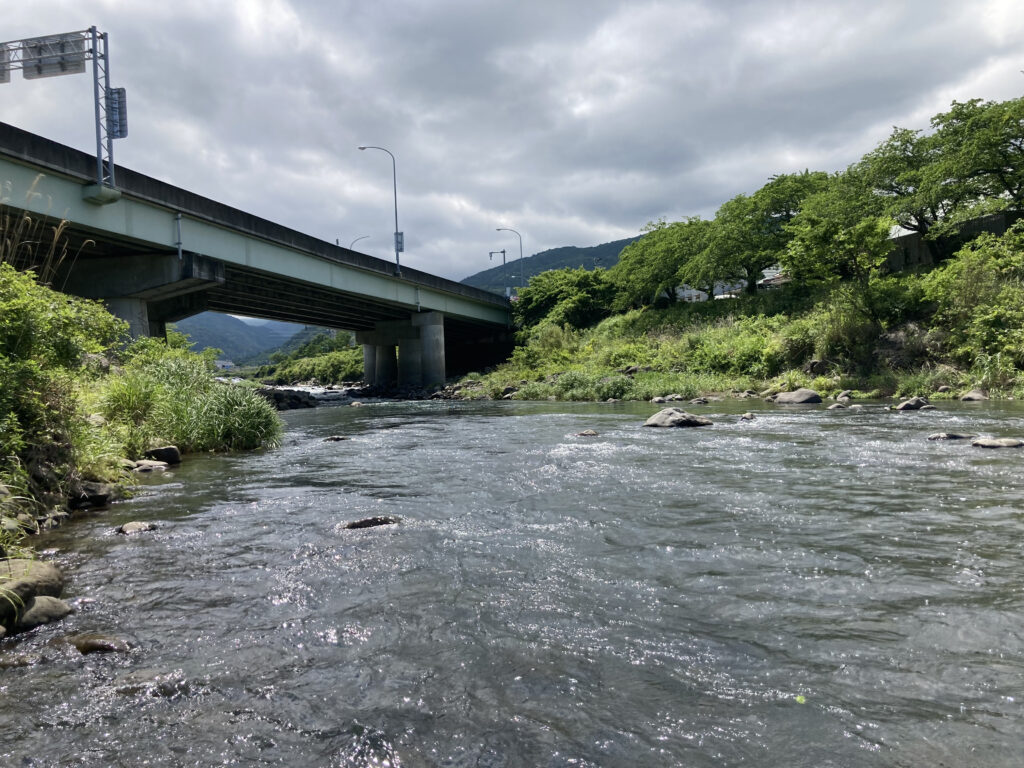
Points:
(399, 240)
(361, 237)
(504, 272)
(522, 273)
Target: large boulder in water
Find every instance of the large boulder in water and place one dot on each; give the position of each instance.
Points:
(797, 397)
(676, 417)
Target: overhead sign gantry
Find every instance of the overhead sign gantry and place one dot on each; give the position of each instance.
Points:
(66, 54)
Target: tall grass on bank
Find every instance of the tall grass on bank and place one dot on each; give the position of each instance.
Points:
(74, 400)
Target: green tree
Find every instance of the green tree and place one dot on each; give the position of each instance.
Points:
(652, 269)
(841, 234)
(980, 154)
(577, 297)
(750, 232)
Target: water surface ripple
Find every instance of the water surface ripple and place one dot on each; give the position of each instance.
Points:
(813, 588)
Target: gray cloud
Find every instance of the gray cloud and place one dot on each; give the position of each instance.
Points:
(574, 122)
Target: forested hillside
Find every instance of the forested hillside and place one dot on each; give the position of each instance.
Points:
(605, 255)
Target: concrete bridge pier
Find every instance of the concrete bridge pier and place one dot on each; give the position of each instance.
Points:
(419, 360)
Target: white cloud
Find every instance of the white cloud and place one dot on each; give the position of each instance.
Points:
(574, 122)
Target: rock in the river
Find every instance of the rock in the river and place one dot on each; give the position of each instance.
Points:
(148, 465)
(288, 399)
(373, 522)
(676, 417)
(169, 454)
(748, 416)
(797, 397)
(40, 610)
(950, 436)
(22, 581)
(836, 407)
(659, 399)
(974, 395)
(136, 526)
(913, 404)
(90, 642)
(335, 438)
(587, 433)
(91, 495)
(997, 442)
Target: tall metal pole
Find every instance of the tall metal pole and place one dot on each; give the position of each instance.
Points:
(522, 273)
(399, 245)
(96, 100)
(504, 273)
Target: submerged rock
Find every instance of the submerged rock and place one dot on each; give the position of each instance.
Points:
(950, 436)
(336, 438)
(997, 442)
(40, 610)
(373, 522)
(90, 642)
(135, 526)
(149, 465)
(675, 417)
(836, 407)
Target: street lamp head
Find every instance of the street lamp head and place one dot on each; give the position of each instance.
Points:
(362, 147)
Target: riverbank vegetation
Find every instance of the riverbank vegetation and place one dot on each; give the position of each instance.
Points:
(76, 398)
(860, 307)
(326, 358)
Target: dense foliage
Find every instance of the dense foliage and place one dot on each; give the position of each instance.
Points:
(326, 358)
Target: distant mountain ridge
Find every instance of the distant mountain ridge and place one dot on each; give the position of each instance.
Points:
(238, 340)
(605, 255)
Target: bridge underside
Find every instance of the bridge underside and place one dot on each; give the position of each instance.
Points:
(402, 347)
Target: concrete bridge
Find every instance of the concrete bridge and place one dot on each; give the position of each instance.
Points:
(155, 253)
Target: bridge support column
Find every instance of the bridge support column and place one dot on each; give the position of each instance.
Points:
(431, 325)
(369, 364)
(386, 369)
(410, 364)
(133, 311)
(420, 342)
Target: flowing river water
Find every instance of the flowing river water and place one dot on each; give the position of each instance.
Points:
(811, 588)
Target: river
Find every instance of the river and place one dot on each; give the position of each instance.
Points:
(810, 588)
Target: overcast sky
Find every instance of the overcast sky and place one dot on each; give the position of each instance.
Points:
(572, 121)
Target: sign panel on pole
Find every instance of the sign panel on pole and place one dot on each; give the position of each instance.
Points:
(399, 242)
(5, 64)
(53, 55)
(117, 113)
